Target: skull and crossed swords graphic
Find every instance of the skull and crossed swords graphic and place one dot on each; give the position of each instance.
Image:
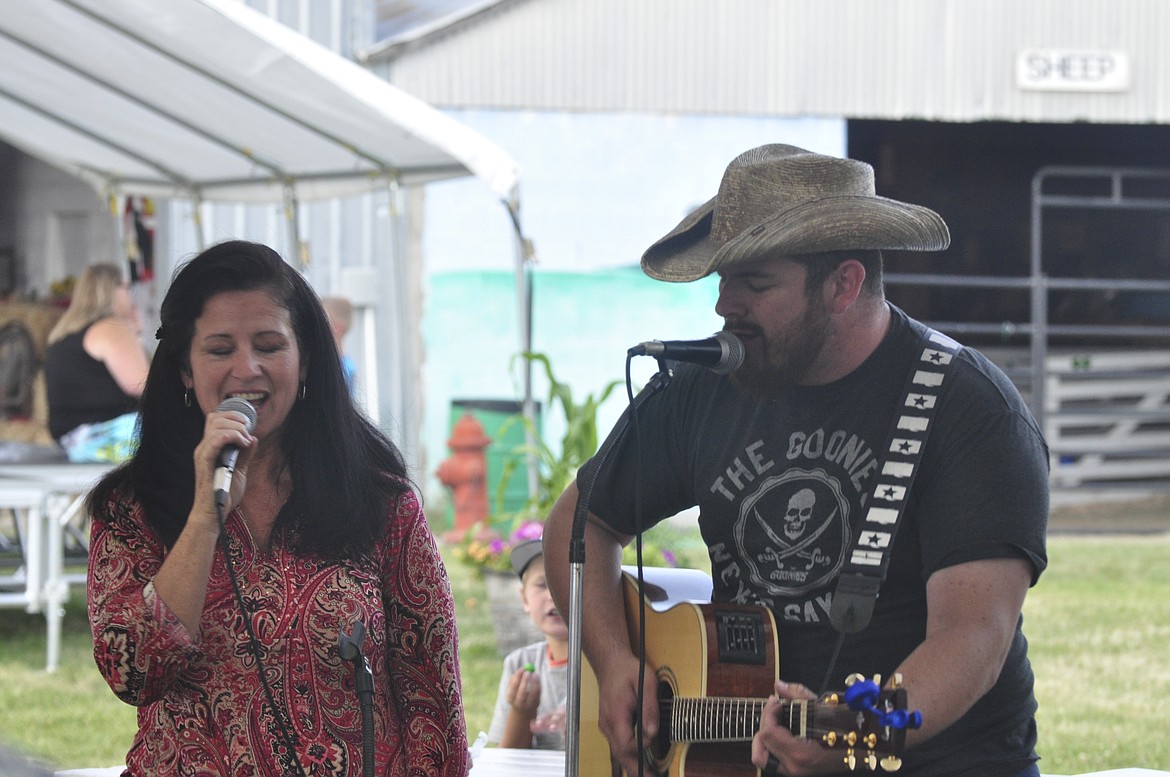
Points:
(796, 518)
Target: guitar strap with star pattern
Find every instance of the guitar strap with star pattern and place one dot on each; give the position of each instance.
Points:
(867, 562)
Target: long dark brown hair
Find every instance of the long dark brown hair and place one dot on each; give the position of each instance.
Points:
(345, 473)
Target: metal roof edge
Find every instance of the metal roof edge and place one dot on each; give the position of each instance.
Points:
(389, 48)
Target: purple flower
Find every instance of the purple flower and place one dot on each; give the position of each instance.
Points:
(669, 557)
(529, 530)
(496, 546)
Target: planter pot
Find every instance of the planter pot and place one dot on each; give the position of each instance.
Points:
(512, 625)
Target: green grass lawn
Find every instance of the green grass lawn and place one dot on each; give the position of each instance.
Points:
(1098, 624)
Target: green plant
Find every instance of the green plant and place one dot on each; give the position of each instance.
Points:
(488, 549)
(556, 467)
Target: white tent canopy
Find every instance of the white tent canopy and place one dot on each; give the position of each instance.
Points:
(211, 100)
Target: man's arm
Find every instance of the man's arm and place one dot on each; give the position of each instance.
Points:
(972, 612)
(605, 640)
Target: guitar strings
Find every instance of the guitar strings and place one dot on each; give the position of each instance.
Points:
(726, 718)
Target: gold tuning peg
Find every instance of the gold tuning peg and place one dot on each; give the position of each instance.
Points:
(852, 679)
(830, 738)
(877, 680)
(871, 761)
(896, 680)
(850, 759)
(891, 763)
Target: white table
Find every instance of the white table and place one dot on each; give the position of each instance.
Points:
(45, 498)
(492, 762)
(501, 762)
(505, 762)
(25, 586)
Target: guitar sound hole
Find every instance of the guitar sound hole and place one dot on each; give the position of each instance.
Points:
(659, 748)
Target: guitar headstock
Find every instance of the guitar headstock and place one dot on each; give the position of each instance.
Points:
(867, 720)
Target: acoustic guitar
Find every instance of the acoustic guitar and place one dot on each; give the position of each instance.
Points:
(714, 664)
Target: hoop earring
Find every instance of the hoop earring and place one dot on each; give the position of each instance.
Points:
(301, 393)
(187, 398)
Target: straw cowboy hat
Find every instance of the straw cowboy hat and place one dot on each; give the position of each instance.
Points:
(782, 201)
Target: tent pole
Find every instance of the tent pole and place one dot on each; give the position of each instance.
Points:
(197, 220)
(524, 259)
(291, 216)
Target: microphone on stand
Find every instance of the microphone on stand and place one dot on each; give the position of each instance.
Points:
(721, 353)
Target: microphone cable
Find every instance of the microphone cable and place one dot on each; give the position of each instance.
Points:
(280, 714)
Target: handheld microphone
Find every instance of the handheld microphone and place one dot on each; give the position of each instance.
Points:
(721, 353)
(226, 466)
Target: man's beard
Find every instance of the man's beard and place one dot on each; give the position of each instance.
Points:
(787, 359)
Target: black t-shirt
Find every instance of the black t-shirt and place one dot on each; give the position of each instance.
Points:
(781, 486)
(79, 388)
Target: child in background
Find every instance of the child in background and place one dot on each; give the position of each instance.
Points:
(530, 707)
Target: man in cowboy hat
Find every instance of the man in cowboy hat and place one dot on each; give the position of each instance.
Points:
(806, 459)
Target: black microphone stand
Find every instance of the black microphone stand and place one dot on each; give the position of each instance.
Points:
(350, 648)
(585, 483)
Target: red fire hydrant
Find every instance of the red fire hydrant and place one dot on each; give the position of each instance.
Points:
(465, 473)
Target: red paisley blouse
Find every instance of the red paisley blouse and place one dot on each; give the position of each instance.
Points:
(201, 706)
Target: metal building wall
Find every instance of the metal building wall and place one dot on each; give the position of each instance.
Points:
(935, 60)
(951, 60)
